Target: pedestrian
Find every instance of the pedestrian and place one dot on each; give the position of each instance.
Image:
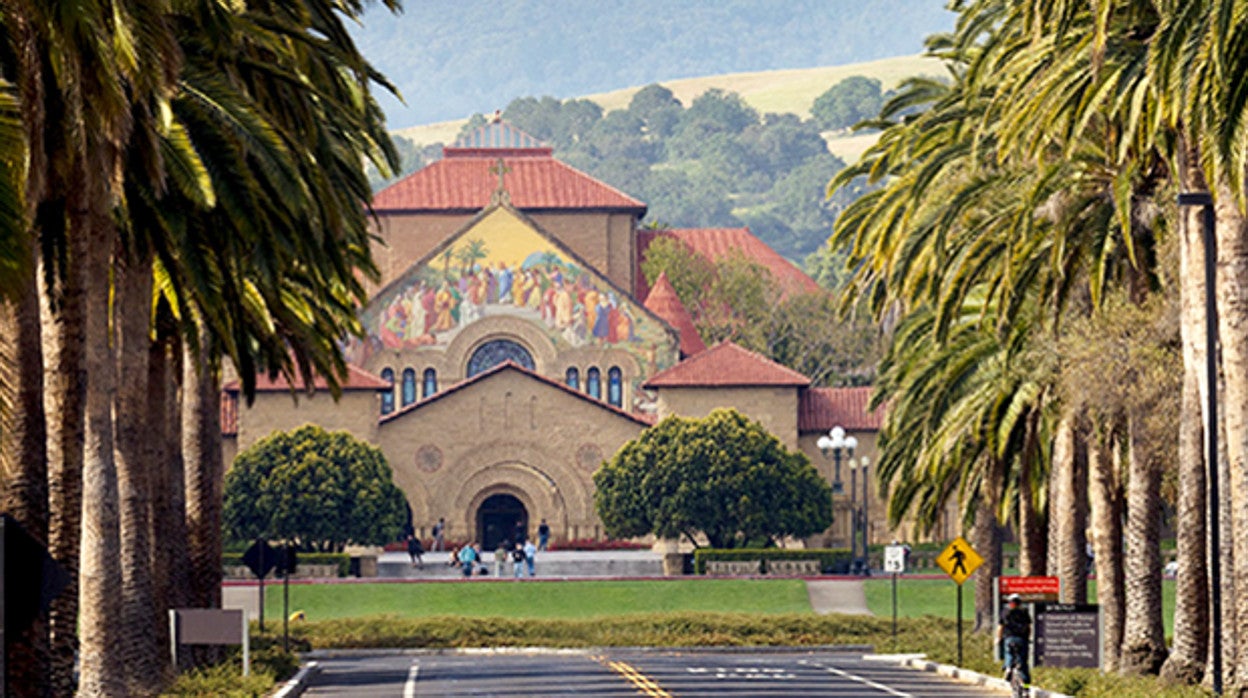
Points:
(500, 558)
(415, 550)
(520, 535)
(439, 533)
(530, 552)
(467, 559)
(1014, 634)
(543, 535)
(517, 560)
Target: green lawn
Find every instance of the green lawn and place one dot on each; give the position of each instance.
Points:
(938, 597)
(535, 599)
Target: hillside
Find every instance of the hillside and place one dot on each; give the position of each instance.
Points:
(452, 58)
(779, 91)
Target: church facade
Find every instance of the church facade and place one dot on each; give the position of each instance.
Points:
(512, 345)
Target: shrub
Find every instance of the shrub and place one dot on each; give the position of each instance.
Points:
(830, 559)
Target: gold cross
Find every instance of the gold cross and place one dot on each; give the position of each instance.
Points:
(500, 196)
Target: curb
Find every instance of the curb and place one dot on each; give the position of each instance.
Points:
(470, 651)
(297, 685)
(960, 674)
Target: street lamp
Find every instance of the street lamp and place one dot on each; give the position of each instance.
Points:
(1205, 201)
(837, 443)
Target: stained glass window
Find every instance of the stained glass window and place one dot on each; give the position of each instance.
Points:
(615, 386)
(497, 351)
(593, 383)
(387, 398)
(431, 383)
(409, 386)
(573, 378)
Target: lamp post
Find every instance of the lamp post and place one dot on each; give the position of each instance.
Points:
(838, 444)
(1205, 201)
(856, 561)
(866, 525)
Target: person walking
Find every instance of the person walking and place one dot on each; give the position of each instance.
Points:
(530, 552)
(517, 561)
(1014, 632)
(500, 558)
(415, 550)
(543, 535)
(439, 534)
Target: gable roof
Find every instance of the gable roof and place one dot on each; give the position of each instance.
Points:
(357, 379)
(820, 409)
(663, 301)
(727, 365)
(512, 366)
(462, 181)
(715, 244)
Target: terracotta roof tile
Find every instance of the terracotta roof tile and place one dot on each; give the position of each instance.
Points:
(535, 180)
(820, 409)
(662, 301)
(724, 365)
(718, 243)
(357, 379)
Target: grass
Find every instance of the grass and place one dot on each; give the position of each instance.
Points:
(537, 599)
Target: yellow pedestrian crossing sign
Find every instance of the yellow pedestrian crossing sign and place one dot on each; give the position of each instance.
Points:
(959, 560)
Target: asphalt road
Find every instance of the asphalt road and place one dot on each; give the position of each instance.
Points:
(657, 674)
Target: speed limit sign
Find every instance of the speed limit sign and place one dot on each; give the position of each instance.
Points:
(894, 558)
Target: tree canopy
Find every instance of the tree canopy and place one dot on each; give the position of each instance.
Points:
(321, 489)
(848, 102)
(722, 476)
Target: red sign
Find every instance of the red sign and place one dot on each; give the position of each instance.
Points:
(1030, 589)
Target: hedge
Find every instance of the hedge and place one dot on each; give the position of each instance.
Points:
(343, 560)
(831, 560)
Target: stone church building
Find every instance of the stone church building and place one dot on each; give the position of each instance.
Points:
(513, 344)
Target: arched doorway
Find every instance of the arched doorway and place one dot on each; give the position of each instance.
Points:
(498, 517)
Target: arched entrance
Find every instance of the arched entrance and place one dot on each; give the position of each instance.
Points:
(498, 517)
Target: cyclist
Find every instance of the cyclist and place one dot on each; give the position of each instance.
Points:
(1014, 633)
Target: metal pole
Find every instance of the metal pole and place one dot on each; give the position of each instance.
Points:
(894, 606)
(853, 517)
(286, 610)
(1209, 238)
(261, 590)
(1211, 434)
(866, 523)
(959, 625)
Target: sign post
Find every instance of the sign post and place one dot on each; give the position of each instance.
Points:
(959, 560)
(894, 563)
(286, 563)
(260, 558)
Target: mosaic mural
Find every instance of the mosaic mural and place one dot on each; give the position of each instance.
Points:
(501, 266)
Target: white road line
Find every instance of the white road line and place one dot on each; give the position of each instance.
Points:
(868, 682)
(409, 689)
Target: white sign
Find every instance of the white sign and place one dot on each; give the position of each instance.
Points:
(894, 558)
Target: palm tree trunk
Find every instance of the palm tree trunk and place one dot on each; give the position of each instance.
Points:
(1231, 637)
(139, 651)
(986, 539)
(1068, 557)
(201, 453)
(1032, 530)
(1186, 663)
(1105, 498)
(1144, 639)
(167, 514)
(99, 623)
(24, 464)
(65, 386)
(1232, 293)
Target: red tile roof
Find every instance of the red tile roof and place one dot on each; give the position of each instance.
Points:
(727, 365)
(646, 420)
(357, 379)
(820, 409)
(462, 181)
(663, 302)
(718, 243)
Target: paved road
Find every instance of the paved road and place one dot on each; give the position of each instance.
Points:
(611, 673)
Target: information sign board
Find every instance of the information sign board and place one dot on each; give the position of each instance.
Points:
(1068, 635)
(1031, 589)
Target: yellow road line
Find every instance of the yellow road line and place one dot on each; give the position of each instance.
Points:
(644, 684)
